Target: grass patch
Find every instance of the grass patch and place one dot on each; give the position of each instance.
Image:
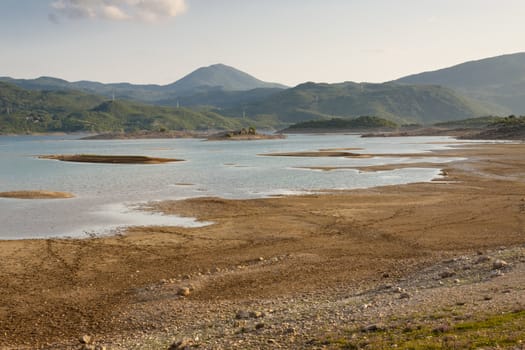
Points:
(500, 331)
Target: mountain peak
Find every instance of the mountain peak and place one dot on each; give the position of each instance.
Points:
(220, 76)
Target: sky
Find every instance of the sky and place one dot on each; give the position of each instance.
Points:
(285, 41)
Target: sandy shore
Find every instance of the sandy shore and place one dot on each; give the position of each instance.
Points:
(412, 264)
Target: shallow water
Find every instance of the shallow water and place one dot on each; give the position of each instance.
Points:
(106, 194)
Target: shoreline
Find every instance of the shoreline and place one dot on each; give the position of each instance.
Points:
(308, 264)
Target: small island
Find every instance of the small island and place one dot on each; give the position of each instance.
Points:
(36, 195)
(112, 159)
(244, 134)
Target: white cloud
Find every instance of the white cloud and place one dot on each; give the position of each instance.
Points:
(114, 13)
(118, 10)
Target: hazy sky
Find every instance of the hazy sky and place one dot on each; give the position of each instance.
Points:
(286, 41)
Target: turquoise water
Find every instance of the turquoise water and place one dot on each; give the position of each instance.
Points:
(107, 194)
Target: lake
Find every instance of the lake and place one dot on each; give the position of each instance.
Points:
(107, 195)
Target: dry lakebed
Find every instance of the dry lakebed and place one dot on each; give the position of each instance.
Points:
(418, 266)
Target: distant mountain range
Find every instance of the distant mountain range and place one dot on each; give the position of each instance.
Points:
(497, 80)
(221, 96)
(423, 104)
(214, 80)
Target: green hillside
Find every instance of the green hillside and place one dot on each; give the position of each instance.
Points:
(220, 98)
(24, 111)
(499, 80)
(397, 102)
(471, 122)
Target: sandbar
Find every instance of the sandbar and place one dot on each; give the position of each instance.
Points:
(112, 159)
(36, 194)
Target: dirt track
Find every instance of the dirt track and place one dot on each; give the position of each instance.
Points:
(276, 252)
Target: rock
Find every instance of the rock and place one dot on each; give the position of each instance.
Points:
(274, 342)
(88, 347)
(256, 314)
(447, 274)
(482, 259)
(182, 344)
(184, 291)
(290, 330)
(260, 325)
(499, 264)
(496, 273)
(371, 328)
(86, 339)
(242, 315)
(441, 329)
(404, 295)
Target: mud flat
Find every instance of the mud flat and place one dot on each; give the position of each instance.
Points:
(422, 265)
(36, 195)
(373, 168)
(112, 159)
(344, 154)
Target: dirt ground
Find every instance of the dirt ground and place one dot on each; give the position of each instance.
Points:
(290, 261)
